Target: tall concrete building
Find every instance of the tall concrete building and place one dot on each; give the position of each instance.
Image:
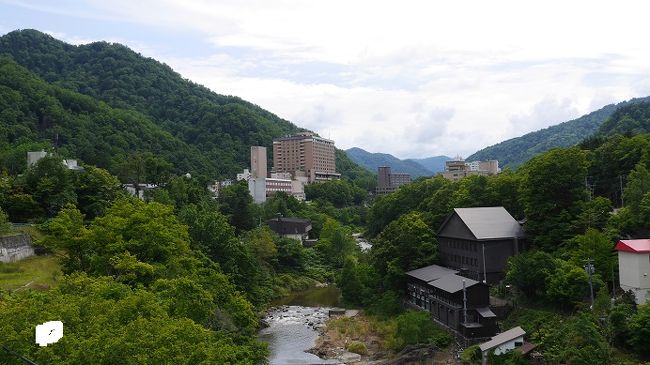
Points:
(383, 180)
(387, 182)
(305, 153)
(258, 161)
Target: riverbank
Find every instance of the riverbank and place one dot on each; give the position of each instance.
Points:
(292, 324)
(365, 340)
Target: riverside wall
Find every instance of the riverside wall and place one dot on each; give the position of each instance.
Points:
(15, 247)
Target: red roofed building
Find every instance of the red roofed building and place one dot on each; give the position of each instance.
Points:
(634, 267)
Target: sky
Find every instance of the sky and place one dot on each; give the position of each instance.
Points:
(410, 78)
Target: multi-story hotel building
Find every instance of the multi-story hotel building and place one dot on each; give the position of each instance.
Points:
(305, 152)
(387, 181)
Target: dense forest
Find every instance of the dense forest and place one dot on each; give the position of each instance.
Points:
(628, 120)
(193, 270)
(567, 199)
(147, 107)
(516, 151)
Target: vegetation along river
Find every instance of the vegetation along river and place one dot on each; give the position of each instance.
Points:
(293, 325)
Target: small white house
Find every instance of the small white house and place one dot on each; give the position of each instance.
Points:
(634, 267)
(503, 342)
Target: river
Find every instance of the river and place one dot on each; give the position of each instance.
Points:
(293, 325)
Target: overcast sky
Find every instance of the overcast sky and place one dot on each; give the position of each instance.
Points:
(410, 78)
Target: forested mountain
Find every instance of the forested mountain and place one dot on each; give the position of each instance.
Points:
(628, 120)
(372, 161)
(433, 164)
(35, 113)
(214, 129)
(514, 152)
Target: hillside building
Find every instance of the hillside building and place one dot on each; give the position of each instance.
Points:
(387, 182)
(502, 343)
(35, 156)
(294, 228)
(305, 152)
(457, 302)
(457, 168)
(479, 241)
(634, 267)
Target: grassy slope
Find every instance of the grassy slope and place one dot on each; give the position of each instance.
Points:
(37, 272)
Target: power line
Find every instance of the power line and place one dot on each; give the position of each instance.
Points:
(21, 357)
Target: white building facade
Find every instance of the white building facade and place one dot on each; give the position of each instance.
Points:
(502, 343)
(634, 267)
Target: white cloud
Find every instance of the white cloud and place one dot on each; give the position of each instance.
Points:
(548, 111)
(412, 78)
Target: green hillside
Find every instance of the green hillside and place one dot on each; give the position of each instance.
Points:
(514, 152)
(193, 127)
(35, 114)
(628, 120)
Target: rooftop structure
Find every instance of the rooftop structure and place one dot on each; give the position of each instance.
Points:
(479, 241)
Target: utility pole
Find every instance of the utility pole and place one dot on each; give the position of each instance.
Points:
(464, 302)
(620, 182)
(589, 267)
(280, 226)
(613, 284)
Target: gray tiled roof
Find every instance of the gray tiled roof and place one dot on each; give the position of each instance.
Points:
(452, 283)
(431, 272)
(502, 338)
(486, 312)
(490, 222)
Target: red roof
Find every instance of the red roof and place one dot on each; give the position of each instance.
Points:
(636, 246)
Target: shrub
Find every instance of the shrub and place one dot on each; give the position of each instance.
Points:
(417, 327)
(471, 356)
(357, 347)
(387, 305)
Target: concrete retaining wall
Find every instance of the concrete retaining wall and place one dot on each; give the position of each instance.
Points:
(15, 247)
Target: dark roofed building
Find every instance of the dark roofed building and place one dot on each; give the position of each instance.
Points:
(439, 291)
(295, 228)
(430, 273)
(479, 241)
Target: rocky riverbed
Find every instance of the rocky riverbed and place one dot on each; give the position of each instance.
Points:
(291, 331)
(338, 334)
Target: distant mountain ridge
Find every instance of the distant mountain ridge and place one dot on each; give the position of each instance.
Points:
(516, 151)
(434, 164)
(416, 168)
